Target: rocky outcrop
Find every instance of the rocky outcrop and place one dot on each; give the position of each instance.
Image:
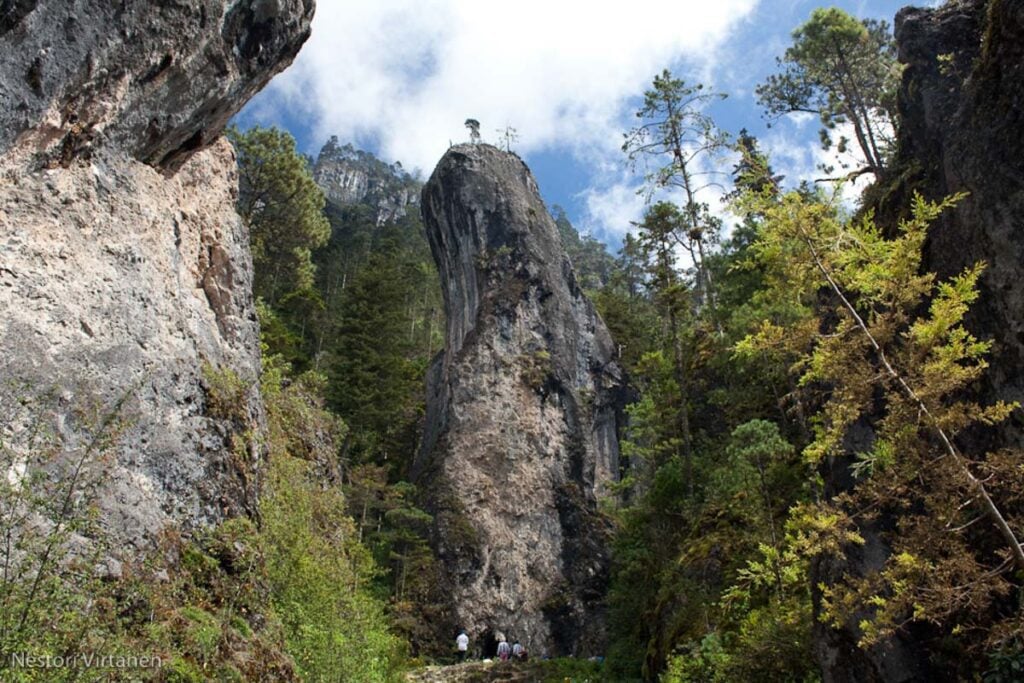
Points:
(158, 80)
(962, 107)
(523, 408)
(962, 130)
(350, 176)
(118, 282)
(125, 275)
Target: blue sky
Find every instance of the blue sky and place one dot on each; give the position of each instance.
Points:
(398, 77)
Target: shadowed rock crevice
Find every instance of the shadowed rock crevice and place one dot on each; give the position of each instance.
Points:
(523, 410)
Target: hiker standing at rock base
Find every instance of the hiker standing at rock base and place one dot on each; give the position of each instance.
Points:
(504, 649)
(461, 645)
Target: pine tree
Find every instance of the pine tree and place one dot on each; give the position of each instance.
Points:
(844, 71)
(679, 137)
(283, 208)
(374, 385)
(657, 244)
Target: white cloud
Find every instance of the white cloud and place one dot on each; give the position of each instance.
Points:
(405, 74)
(611, 210)
(792, 155)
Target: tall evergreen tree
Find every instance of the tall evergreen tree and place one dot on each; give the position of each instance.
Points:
(283, 208)
(679, 138)
(374, 384)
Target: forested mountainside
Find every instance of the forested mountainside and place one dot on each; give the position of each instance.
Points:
(276, 417)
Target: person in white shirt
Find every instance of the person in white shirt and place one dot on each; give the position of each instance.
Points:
(462, 645)
(518, 651)
(504, 649)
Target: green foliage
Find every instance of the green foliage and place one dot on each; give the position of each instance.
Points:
(535, 369)
(1005, 665)
(319, 574)
(283, 208)
(298, 423)
(226, 394)
(891, 348)
(843, 70)
(229, 603)
(710, 478)
(319, 578)
(54, 456)
(375, 374)
(196, 608)
(563, 670)
(346, 345)
(704, 662)
(396, 532)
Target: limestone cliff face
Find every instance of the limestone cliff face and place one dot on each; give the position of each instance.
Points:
(523, 408)
(124, 268)
(350, 176)
(962, 129)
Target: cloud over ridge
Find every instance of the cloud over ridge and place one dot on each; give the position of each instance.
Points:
(403, 75)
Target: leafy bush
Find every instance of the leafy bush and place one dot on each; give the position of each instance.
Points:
(319, 573)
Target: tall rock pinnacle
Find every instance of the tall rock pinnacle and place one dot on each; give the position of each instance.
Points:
(523, 409)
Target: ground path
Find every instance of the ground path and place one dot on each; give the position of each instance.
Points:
(511, 672)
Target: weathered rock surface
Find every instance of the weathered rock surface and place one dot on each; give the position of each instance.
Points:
(962, 129)
(523, 408)
(156, 79)
(351, 176)
(124, 269)
(116, 281)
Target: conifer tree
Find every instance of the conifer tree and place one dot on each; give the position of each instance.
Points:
(374, 385)
(844, 71)
(679, 138)
(283, 208)
(657, 244)
(881, 361)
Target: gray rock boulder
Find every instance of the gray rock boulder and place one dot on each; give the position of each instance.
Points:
(158, 80)
(120, 283)
(523, 410)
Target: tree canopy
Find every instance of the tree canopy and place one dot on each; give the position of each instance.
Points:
(844, 71)
(283, 207)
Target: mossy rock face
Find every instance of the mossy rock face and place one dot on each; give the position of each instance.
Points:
(236, 546)
(180, 670)
(201, 632)
(198, 564)
(241, 626)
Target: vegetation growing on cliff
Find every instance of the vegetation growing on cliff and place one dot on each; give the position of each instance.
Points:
(758, 359)
(803, 400)
(832, 353)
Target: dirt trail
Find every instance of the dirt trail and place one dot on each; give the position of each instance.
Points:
(491, 672)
